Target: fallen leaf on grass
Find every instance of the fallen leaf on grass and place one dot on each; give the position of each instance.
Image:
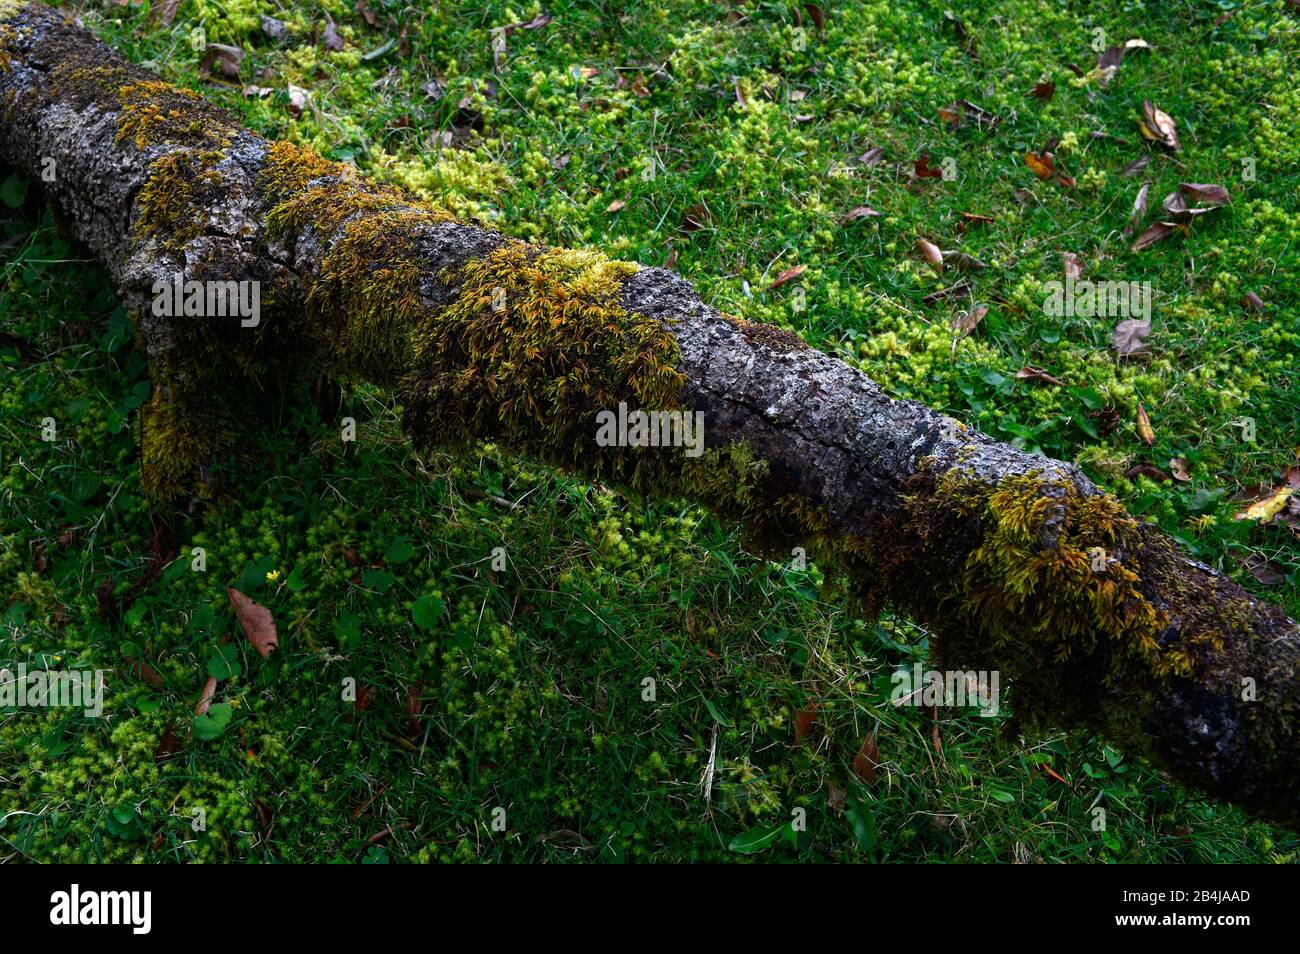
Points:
(959, 290)
(164, 12)
(1136, 166)
(1145, 430)
(206, 696)
(297, 100)
(1042, 164)
(1204, 192)
(932, 254)
(1130, 336)
(1268, 572)
(331, 38)
(367, 14)
(867, 761)
(256, 622)
(957, 114)
(1030, 373)
(696, 217)
(803, 722)
(616, 205)
(1252, 302)
(788, 275)
(964, 262)
(872, 156)
(145, 671)
(1181, 470)
(1265, 510)
(835, 795)
(1073, 266)
(964, 322)
(1146, 470)
(1139, 208)
(1159, 126)
(858, 212)
(223, 59)
(1156, 233)
(923, 169)
(1043, 91)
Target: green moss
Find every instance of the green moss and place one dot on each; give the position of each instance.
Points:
(175, 200)
(533, 346)
(178, 444)
(1036, 572)
(155, 113)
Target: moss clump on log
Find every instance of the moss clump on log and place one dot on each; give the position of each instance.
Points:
(534, 345)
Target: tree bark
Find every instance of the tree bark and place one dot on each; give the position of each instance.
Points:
(1016, 562)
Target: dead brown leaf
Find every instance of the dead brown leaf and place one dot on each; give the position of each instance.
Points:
(932, 254)
(1042, 164)
(1073, 266)
(1145, 430)
(1043, 91)
(872, 156)
(696, 217)
(367, 14)
(1181, 470)
(867, 760)
(1159, 126)
(223, 60)
(164, 12)
(1139, 208)
(256, 622)
(966, 321)
(1146, 470)
(1130, 336)
(923, 169)
(330, 38)
(1204, 193)
(1155, 233)
(858, 212)
(1268, 572)
(1030, 373)
(788, 275)
(206, 696)
(1136, 166)
(803, 722)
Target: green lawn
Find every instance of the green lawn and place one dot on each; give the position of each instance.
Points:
(726, 138)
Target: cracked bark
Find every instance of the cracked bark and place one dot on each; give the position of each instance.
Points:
(827, 433)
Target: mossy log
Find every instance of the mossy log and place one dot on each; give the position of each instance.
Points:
(1016, 562)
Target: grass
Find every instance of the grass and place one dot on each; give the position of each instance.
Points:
(731, 136)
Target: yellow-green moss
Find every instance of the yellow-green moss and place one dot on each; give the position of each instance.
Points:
(170, 205)
(157, 113)
(153, 112)
(366, 292)
(1046, 591)
(535, 343)
(177, 446)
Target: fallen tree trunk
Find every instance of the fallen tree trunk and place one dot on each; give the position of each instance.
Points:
(1017, 563)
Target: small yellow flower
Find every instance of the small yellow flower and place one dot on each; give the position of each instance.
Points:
(272, 575)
